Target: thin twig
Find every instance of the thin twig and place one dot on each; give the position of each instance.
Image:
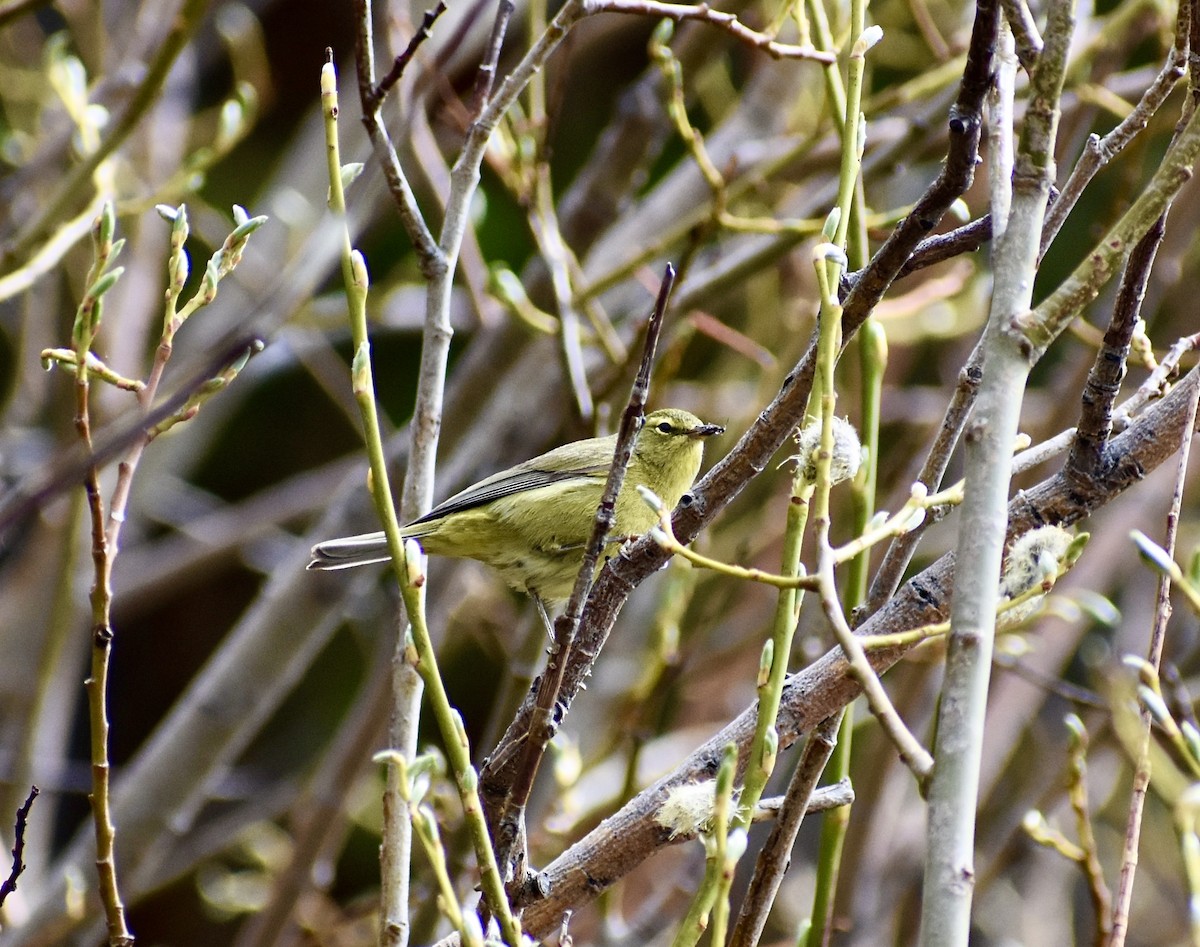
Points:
(558, 259)
(1104, 380)
(106, 527)
(776, 853)
(1100, 151)
(100, 597)
(9, 885)
(928, 26)
(401, 62)
(725, 21)
(509, 821)
(1077, 793)
(429, 255)
(1158, 633)
(485, 77)
(1156, 384)
(1025, 33)
(833, 796)
(912, 753)
(785, 580)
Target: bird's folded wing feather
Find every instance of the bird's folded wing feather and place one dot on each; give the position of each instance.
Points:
(510, 482)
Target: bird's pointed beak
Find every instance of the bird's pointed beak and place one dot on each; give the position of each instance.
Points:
(706, 430)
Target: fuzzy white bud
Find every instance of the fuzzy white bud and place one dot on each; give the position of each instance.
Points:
(1034, 559)
(847, 451)
(688, 809)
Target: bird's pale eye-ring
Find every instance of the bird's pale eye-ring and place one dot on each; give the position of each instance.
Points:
(665, 427)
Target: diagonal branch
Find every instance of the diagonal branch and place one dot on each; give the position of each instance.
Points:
(9, 885)
(508, 822)
(629, 837)
(706, 14)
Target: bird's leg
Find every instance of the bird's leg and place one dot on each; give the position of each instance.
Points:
(541, 607)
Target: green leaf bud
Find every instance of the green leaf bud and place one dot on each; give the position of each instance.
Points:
(351, 173)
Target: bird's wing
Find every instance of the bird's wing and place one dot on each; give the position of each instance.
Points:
(506, 483)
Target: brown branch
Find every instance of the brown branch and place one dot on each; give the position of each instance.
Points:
(100, 598)
(706, 14)
(965, 239)
(944, 246)
(485, 78)
(379, 93)
(1104, 380)
(776, 853)
(429, 255)
(630, 836)
(508, 823)
(9, 885)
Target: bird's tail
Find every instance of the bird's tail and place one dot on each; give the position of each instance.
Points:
(349, 551)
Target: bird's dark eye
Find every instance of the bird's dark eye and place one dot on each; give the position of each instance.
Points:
(665, 427)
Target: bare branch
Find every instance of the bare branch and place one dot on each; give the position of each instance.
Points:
(485, 78)
(776, 853)
(706, 14)
(630, 836)
(508, 820)
(9, 885)
(401, 62)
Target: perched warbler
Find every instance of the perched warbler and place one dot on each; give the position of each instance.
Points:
(531, 522)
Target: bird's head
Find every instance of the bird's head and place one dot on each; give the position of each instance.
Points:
(672, 435)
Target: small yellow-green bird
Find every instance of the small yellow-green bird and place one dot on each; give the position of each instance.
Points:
(531, 522)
